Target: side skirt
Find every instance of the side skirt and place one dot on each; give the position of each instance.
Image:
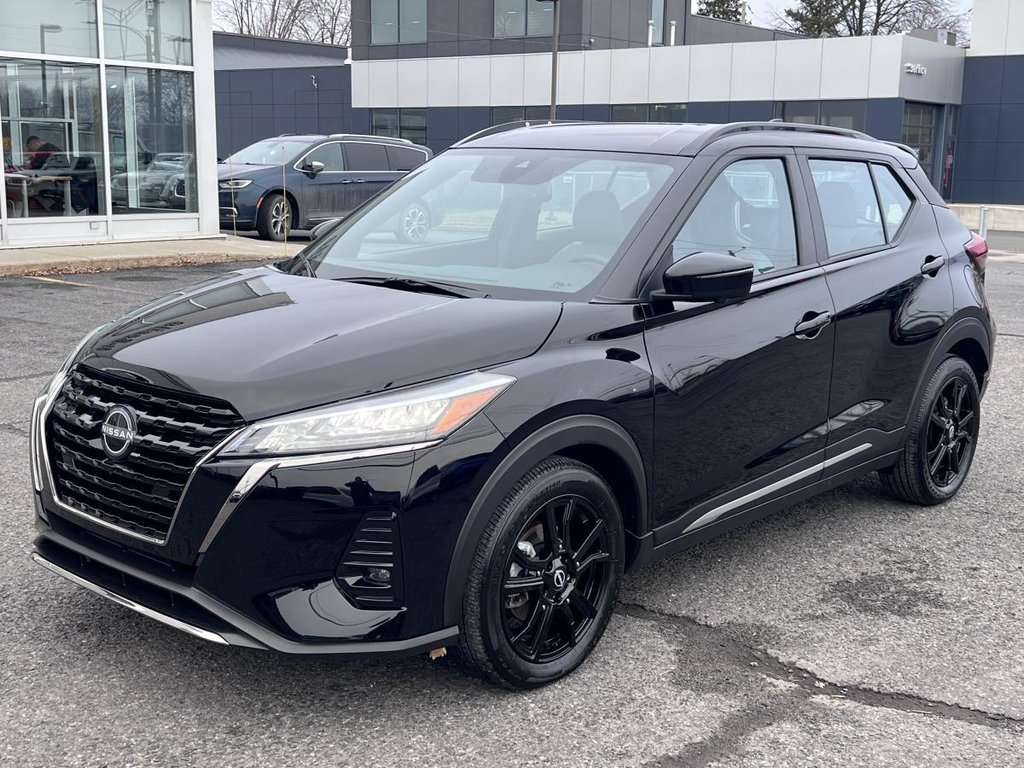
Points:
(794, 494)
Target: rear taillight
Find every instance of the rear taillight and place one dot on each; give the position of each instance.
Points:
(977, 249)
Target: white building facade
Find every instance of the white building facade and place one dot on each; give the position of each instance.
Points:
(106, 118)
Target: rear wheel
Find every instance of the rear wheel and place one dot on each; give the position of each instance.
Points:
(943, 435)
(274, 220)
(544, 579)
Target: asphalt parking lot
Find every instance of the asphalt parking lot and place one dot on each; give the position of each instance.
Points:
(850, 630)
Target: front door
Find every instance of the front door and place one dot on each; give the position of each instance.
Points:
(741, 406)
(324, 192)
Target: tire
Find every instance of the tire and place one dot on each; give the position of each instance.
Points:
(943, 435)
(571, 591)
(274, 220)
(414, 224)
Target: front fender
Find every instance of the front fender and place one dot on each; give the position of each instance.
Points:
(554, 437)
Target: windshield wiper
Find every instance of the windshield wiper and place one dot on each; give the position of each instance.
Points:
(415, 286)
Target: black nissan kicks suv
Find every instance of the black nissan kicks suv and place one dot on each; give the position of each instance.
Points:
(613, 342)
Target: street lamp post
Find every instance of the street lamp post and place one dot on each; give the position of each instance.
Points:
(554, 56)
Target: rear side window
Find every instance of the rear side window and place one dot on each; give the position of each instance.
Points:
(849, 207)
(365, 156)
(747, 212)
(404, 159)
(895, 200)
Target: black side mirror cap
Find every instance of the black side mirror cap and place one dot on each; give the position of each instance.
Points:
(706, 277)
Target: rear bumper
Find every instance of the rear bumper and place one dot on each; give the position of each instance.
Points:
(184, 607)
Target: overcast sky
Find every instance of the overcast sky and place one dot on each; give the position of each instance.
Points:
(762, 10)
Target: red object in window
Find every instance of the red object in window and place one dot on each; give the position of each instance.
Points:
(977, 249)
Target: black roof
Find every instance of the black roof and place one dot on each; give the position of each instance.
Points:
(677, 138)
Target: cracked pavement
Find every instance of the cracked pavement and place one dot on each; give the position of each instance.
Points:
(848, 630)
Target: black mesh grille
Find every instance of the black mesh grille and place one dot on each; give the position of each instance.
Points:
(139, 492)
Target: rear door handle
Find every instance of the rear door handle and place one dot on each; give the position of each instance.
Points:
(811, 324)
(932, 264)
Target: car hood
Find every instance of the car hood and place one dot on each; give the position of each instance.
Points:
(225, 171)
(270, 343)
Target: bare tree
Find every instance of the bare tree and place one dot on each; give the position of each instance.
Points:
(327, 21)
(321, 21)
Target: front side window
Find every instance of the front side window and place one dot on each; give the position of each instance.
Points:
(151, 116)
(534, 220)
(51, 128)
(329, 155)
(894, 198)
(747, 212)
(849, 207)
(148, 31)
(523, 18)
(398, 21)
(49, 27)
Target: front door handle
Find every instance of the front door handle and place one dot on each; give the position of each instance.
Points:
(811, 324)
(932, 265)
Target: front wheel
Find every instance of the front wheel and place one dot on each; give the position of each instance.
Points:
(543, 582)
(942, 438)
(274, 220)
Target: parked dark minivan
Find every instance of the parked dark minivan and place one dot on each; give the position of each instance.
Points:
(614, 341)
(296, 182)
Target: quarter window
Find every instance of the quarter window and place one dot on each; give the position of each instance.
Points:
(402, 159)
(747, 212)
(895, 200)
(849, 207)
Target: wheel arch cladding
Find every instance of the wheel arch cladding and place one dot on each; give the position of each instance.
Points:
(972, 351)
(593, 440)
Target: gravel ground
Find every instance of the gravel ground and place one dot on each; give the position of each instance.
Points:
(849, 630)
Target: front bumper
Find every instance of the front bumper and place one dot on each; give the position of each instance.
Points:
(257, 552)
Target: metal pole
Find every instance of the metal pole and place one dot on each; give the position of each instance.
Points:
(983, 222)
(554, 62)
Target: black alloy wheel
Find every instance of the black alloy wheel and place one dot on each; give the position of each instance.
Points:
(950, 433)
(543, 583)
(943, 435)
(557, 574)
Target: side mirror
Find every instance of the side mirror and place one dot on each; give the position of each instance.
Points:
(707, 277)
(322, 228)
(314, 168)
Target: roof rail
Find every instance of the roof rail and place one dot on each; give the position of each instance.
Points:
(503, 127)
(732, 128)
(370, 137)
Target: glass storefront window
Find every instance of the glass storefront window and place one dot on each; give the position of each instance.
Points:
(919, 123)
(152, 141)
(629, 113)
(148, 30)
(522, 18)
(51, 126)
(668, 113)
(398, 21)
(408, 124)
(49, 27)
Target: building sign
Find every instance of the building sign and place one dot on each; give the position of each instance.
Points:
(915, 69)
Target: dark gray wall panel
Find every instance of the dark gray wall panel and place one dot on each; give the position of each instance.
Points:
(708, 112)
(740, 111)
(883, 119)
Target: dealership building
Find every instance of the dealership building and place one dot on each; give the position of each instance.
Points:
(106, 106)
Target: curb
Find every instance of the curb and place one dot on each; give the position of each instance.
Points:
(72, 266)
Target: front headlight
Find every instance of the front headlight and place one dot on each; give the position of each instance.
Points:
(235, 183)
(420, 414)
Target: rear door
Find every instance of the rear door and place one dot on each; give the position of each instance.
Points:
(322, 193)
(887, 272)
(368, 172)
(741, 404)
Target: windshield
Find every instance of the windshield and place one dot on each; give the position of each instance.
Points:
(268, 152)
(521, 219)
